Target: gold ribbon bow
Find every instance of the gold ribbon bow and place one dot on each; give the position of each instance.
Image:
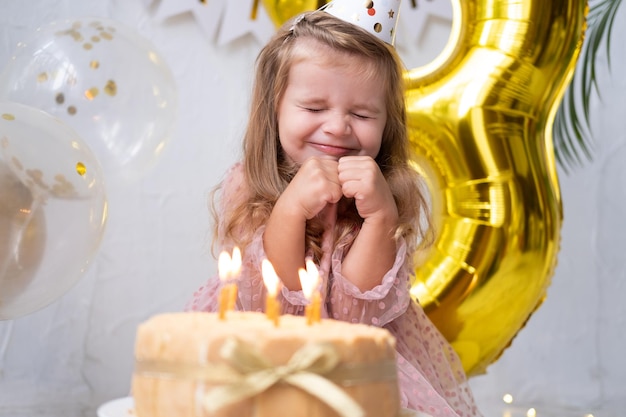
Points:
(304, 370)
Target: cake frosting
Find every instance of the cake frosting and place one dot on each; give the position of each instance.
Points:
(194, 364)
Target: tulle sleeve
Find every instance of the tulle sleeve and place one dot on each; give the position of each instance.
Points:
(252, 291)
(377, 306)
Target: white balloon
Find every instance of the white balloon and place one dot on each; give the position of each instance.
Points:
(105, 81)
(52, 209)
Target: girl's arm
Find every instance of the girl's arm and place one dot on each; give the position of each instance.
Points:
(314, 187)
(251, 292)
(374, 249)
(283, 241)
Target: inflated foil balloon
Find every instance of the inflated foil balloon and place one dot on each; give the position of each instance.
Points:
(103, 80)
(480, 120)
(52, 209)
(280, 11)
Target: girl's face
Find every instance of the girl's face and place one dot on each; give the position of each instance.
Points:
(330, 107)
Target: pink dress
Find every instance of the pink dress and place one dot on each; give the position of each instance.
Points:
(431, 375)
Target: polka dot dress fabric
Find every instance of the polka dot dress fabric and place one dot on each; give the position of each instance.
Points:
(430, 373)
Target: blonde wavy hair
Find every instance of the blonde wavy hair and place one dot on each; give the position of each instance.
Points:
(267, 171)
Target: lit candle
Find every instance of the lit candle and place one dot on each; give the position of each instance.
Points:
(309, 280)
(271, 281)
(228, 270)
(235, 269)
(317, 297)
(223, 268)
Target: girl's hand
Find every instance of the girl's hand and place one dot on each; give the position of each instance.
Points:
(361, 179)
(315, 185)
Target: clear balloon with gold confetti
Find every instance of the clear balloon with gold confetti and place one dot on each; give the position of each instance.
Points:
(52, 208)
(105, 81)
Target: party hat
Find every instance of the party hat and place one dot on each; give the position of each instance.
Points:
(379, 17)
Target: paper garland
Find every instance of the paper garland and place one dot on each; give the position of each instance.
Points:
(225, 21)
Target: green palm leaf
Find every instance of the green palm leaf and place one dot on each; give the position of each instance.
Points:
(573, 141)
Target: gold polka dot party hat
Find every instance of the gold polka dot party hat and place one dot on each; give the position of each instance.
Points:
(379, 17)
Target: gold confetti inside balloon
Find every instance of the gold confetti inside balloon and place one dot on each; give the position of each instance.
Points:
(52, 209)
(103, 80)
(480, 119)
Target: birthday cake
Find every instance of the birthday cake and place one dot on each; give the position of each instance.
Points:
(196, 364)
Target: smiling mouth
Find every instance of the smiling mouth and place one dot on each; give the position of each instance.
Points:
(332, 150)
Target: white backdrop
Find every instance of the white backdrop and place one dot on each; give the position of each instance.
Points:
(70, 357)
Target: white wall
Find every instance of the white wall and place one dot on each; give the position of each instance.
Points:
(75, 354)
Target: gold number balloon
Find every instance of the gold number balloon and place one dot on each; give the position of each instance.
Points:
(280, 11)
(480, 120)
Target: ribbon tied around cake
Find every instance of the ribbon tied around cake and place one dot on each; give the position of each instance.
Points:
(304, 370)
(315, 368)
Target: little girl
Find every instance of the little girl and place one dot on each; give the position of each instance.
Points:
(325, 174)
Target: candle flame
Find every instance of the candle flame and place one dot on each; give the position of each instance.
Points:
(229, 266)
(270, 279)
(309, 278)
(312, 270)
(307, 288)
(235, 264)
(223, 266)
